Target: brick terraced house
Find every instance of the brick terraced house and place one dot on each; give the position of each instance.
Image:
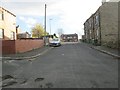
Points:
(101, 28)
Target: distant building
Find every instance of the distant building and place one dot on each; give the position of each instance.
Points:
(7, 25)
(23, 35)
(69, 37)
(102, 27)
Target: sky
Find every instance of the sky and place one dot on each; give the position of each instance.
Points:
(66, 16)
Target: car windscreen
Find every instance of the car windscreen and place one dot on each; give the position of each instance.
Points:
(55, 39)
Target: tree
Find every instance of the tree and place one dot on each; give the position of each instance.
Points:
(38, 31)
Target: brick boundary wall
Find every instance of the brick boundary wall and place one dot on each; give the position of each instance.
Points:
(8, 47)
(19, 46)
(0, 48)
(27, 45)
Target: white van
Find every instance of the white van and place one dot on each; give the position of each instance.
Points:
(54, 42)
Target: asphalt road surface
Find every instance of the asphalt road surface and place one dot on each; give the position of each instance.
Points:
(73, 65)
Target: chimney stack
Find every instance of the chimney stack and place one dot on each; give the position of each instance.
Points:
(103, 1)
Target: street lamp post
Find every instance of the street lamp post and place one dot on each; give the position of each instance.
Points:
(50, 25)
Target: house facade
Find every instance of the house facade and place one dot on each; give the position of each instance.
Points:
(7, 25)
(102, 27)
(69, 37)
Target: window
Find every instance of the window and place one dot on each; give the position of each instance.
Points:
(1, 16)
(97, 33)
(1, 33)
(75, 37)
(97, 20)
(12, 35)
(70, 37)
(64, 37)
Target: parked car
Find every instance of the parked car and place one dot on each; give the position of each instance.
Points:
(55, 42)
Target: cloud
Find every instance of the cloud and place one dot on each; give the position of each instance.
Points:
(114, 0)
(31, 1)
(72, 13)
(75, 12)
(30, 22)
(32, 7)
(22, 18)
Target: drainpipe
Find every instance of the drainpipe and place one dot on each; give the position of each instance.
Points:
(100, 27)
(118, 28)
(93, 30)
(17, 32)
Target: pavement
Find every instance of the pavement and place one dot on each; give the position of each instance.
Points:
(27, 55)
(113, 52)
(37, 52)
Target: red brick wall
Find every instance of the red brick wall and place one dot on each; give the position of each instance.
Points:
(8, 47)
(19, 46)
(27, 45)
(0, 48)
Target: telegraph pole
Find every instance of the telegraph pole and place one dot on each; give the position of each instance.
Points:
(45, 19)
(45, 38)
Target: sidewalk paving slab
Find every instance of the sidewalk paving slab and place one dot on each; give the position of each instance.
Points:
(108, 51)
(113, 52)
(27, 55)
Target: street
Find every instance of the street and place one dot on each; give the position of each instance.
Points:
(73, 65)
